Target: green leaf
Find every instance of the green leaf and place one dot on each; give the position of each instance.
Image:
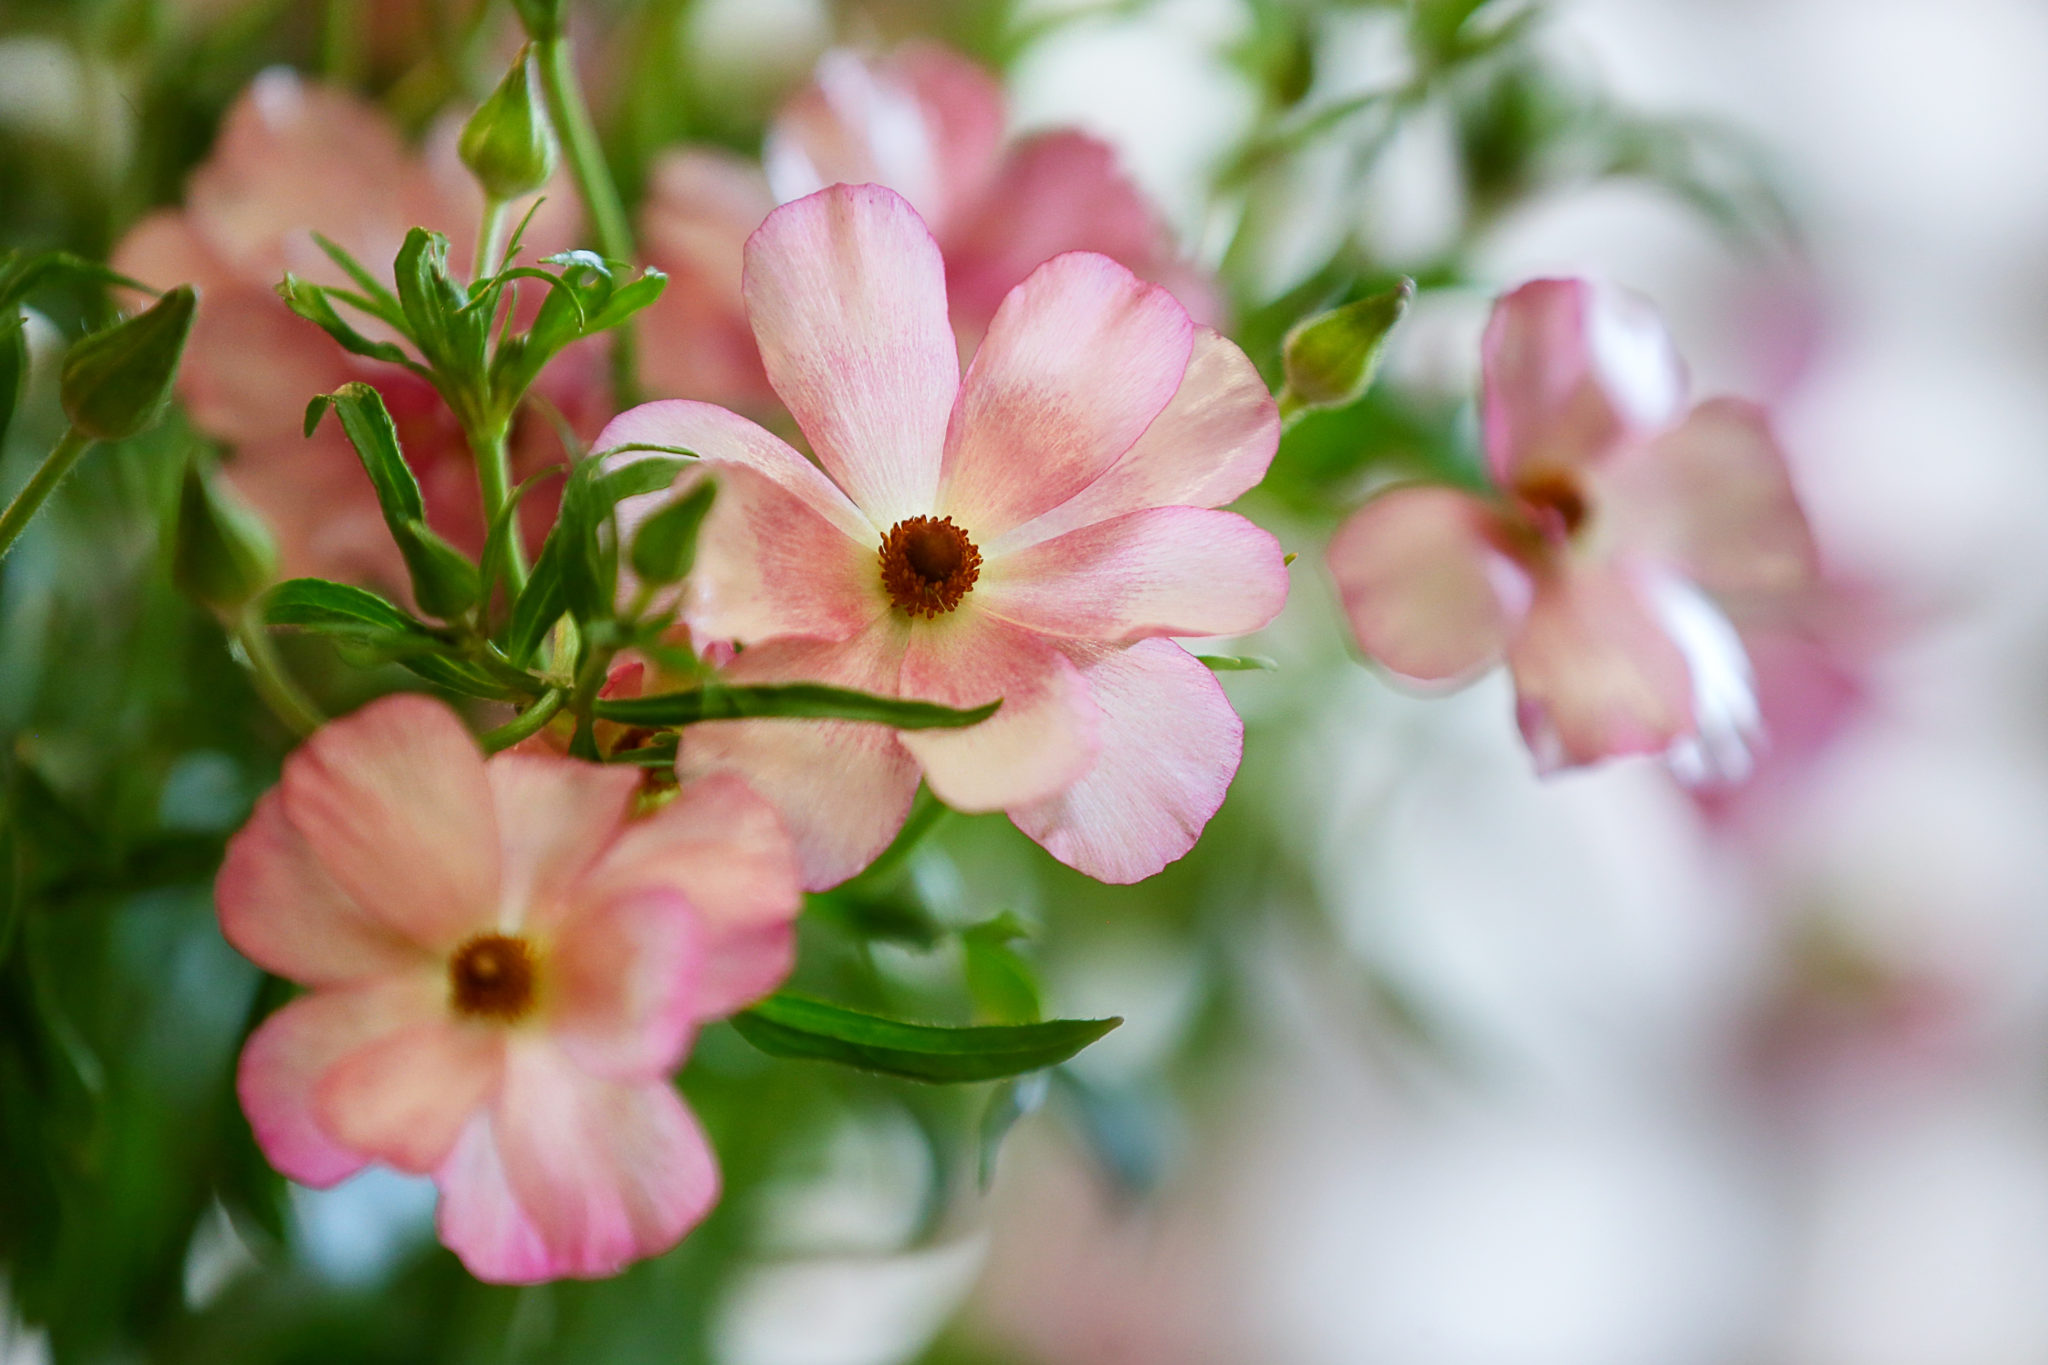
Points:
(452, 339)
(1238, 663)
(383, 303)
(540, 602)
(368, 426)
(357, 616)
(1002, 982)
(804, 701)
(497, 554)
(310, 302)
(586, 572)
(796, 1027)
(1330, 359)
(13, 367)
(614, 486)
(665, 547)
(444, 580)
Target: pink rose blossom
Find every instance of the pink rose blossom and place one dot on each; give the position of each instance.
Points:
(505, 967)
(293, 159)
(929, 124)
(1031, 532)
(1595, 571)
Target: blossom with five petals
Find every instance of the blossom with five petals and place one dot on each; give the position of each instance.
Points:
(927, 123)
(1623, 527)
(505, 967)
(1031, 532)
(293, 159)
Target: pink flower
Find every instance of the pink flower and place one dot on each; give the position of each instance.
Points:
(293, 159)
(927, 123)
(1030, 532)
(505, 967)
(1594, 571)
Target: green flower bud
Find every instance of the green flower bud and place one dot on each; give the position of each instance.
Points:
(1330, 359)
(116, 382)
(543, 18)
(222, 555)
(508, 143)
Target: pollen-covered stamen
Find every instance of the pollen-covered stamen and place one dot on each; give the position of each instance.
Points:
(1556, 498)
(492, 977)
(928, 565)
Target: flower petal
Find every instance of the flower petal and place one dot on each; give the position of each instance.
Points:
(479, 1218)
(1596, 676)
(286, 1057)
(1714, 498)
(554, 816)
(1212, 443)
(924, 121)
(1062, 191)
(283, 912)
(1170, 745)
(607, 1172)
(723, 847)
(320, 508)
(847, 295)
(623, 983)
(1727, 723)
(1080, 359)
(1429, 591)
(1162, 571)
(701, 207)
(393, 802)
(405, 1097)
(1040, 741)
(1573, 370)
(842, 789)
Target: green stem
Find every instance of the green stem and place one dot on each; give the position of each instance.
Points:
(492, 451)
(594, 183)
(341, 46)
(273, 683)
(41, 484)
(490, 238)
(527, 723)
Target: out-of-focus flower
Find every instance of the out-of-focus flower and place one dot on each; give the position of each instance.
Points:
(927, 123)
(505, 968)
(1030, 533)
(293, 159)
(1594, 571)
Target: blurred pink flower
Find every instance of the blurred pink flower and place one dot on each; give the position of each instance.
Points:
(1591, 571)
(927, 123)
(506, 966)
(1031, 532)
(293, 159)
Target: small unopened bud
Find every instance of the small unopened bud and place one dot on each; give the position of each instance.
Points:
(508, 143)
(1330, 359)
(543, 18)
(223, 555)
(116, 382)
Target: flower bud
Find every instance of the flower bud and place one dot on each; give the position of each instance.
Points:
(508, 144)
(222, 555)
(116, 382)
(543, 18)
(1329, 359)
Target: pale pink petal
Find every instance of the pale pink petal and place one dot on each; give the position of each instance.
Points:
(842, 789)
(253, 364)
(286, 1057)
(1170, 745)
(1430, 592)
(769, 565)
(1044, 736)
(1727, 726)
(283, 912)
(1713, 497)
(320, 508)
(479, 1218)
(724, 848)
(293, 156)
(1213, 442)
(1080, 359)
(555, 816)
(1572, 371)
(722, 438)
(608, 1172)
(623, 981)
(847, 296)
(404, 1098)
(701, 207)
(394, 803)
(1162, 571)
(1596, 676)
(1062, 191)
(924, 121)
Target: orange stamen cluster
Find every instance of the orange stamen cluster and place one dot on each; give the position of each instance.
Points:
(928, 565)
(492, 977)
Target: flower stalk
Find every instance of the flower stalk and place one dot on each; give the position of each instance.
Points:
(41, 484)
